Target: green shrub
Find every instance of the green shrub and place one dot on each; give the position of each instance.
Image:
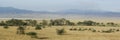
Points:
(89, 29)
(32, 34)
(117, 30)
(61, 31)
(75, 29)
(93, 30)
(20, 30)
(71, 29)
(38, 27)
(98, 31)
(6, 27)
(79, 29)
(85, 29)
(107, 31)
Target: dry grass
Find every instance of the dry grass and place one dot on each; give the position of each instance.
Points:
(49, 33)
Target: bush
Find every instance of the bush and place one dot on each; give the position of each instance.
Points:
(108, 31)
(80, 29)
(38, 27)
(20, 30)
(61, 31)
(93, 30)
(89, 23)
(90, 29)
(6, 27)
(98, 31)
(85, 29)
(70, 29)
(32, 34)
(75, 29)
(117, 30)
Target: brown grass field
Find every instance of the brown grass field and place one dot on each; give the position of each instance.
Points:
(49, 33)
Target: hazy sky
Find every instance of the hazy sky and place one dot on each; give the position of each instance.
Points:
(56, 5)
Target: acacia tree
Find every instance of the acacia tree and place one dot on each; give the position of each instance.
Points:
(69, 23)
(21, 30)
(2, 23)
(60, 22)
(15, 22)
(44, 22)
(31, 22)
(87, 23)
(60, 31)
(38, 27)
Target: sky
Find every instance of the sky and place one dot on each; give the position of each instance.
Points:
(57, 5)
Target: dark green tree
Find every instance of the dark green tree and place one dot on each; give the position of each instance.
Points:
(20, 30)
(38, 27)
(32, 34)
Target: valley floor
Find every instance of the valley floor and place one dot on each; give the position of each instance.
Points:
(49, 33)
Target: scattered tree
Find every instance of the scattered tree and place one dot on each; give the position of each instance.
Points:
(32, 34)
(61, 31)
(20, 30)
(38, 27)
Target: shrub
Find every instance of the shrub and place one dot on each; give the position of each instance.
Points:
(32, 34)
(117, 30)
(107, 31)
(70, 29)
(38, 27)
(93, 30)
(89, 29)
(85, 29)
(98, 31)
(75, 29)
(61, 31)
(80, 29)
(6, 27)
(20, 30)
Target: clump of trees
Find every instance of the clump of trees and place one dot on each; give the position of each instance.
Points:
(30, 22)
(87, 23)
(92, 23)
(18, 22)
(94, 30)
(112, 24)
(55, 22)
(15, 22)
(61, 22)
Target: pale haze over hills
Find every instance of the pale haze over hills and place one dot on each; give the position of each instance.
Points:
(59, 9)
(11, 12)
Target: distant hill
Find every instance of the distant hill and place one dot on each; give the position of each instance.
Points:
(14, 10)
(91, 13)
(10, 12)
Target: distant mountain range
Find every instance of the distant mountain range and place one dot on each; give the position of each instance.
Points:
(13, 10)
(8, 11)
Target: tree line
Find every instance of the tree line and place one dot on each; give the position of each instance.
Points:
(55, 22)
(22, 24)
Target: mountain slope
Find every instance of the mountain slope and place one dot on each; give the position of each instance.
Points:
(13, 10)
(7, 12)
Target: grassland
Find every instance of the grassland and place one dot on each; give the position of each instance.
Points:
(49, 33)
